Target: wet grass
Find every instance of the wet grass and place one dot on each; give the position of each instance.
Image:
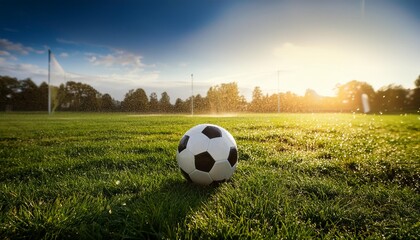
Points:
(299, 176)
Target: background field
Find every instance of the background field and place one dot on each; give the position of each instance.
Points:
(299, 176)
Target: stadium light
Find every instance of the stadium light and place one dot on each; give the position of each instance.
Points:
(49, 81)
(278, 91)
(192, 95)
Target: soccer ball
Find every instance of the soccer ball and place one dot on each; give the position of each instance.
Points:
(207, 153)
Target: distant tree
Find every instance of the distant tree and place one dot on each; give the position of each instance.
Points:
(180, 106)
(21, 95)
(26, 98)
(165, 103)
(243, 104)
(201, 104)
(231, 98)
(107, 103)
(8, 88)
(290, 102)
(59, 98)
(270, 103)
(224, 98)
(392, 98)
(135, 101)
(214, 99)
(153, 102)
(311, 101)
(414, 98)
(77, 96)
(350, 95)
(43, 97)
(256, 104)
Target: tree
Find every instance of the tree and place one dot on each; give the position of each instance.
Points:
(224, 98)
(26, 98)
(135, 101)
(77, 96)
(414, 98)
(350, 95)
(290, 102)
(200, 104)
(8, 88)
(43, 97)
(257, 100)
(153, 103)
(213, 96)
(180, 106)
(107, 103)
(392, 98)
(164, 103)
(311, 100)
(21, 95)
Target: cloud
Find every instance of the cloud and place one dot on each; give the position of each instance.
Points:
(10, 46)
(92, 59)
(4, 53)
(64, 54)
(65, 41)
(7, 55)
(118, 58)
(18, 47)
(22, 70)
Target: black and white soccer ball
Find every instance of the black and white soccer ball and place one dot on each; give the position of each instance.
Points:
(207, 153)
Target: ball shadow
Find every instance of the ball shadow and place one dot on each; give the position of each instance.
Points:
(158, 212)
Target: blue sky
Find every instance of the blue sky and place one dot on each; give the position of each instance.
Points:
(116, 46)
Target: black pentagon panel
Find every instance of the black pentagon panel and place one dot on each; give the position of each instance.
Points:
(233, 156)
(204, 162)
(212, 132)
(186, 175)
(183, 143)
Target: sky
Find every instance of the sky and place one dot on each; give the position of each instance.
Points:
(284, 45)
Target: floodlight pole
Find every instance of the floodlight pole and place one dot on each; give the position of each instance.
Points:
(49, 81)
(192, 95)
(278, 91)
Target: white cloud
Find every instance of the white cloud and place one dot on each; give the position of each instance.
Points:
(22, 70)
(118, 58)
(4, 53)
(114, 72)
(18, 47)
(10, 46)
(64, 54)
(118, 84)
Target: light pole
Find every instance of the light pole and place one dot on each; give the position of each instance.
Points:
(49, 81)
(192, 95)
(278, 91)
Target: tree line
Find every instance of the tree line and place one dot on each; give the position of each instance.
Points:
(25, 95)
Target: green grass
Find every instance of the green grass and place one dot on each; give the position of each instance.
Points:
(299, 176)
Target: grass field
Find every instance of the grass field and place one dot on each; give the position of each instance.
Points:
(299, 176)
